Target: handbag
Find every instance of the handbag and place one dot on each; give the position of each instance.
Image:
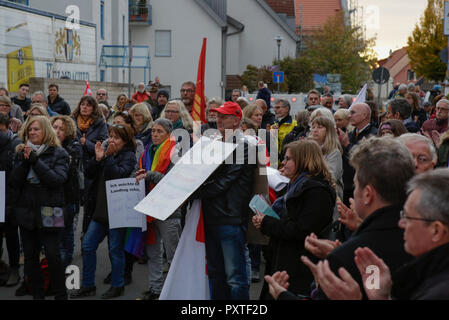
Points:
(52, 217)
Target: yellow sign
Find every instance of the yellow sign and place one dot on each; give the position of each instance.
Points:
(20, 67)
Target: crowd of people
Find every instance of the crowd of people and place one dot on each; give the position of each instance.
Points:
(363, 190)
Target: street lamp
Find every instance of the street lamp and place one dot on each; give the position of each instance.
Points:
(279, 41)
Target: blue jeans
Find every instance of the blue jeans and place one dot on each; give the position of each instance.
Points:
(95, 234)
(226, 262)
(67, 243)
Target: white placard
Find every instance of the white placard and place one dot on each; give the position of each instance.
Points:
(2, 196)
(122, 195)
(189, 173)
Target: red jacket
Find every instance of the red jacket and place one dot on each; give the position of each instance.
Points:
(140, 97)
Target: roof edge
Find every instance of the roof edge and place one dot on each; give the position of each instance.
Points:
(276, 18)
(221, 23)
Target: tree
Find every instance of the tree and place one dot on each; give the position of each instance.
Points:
(252, 75)
(298, 74)
(340, 48)
(426, 42)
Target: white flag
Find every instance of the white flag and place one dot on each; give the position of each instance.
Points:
(187, 278)
(361, 98)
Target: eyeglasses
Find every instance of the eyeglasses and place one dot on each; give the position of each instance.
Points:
(171, 111)
(442, 109)
(187, 90)
(101, 94)
(117, 126)
(403, 216)
(422, 159)
(287, 158)
(5, 106)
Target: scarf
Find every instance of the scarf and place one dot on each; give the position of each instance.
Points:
(84, 125)
(32, 178)
(280, 205)
(156, 158)
(178, 124)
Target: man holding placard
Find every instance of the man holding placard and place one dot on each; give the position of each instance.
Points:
(225, 197)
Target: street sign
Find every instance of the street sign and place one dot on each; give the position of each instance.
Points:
(446, 18)
(381, 75)
(278, 77)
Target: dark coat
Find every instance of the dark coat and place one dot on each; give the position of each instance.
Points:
(120, 166)
(379, 232)
(144, 135)
(51, 168)
(72, 187)
(348, 170)
(60, 106)
(443, 153)
(424, 278)
(227, 192)
(421, 114)
(267, 118)
(98, 131)
(308, 207)
(265, 94)
(156, 111)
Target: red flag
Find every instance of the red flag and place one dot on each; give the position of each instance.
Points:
(199, 102)
(88, 91)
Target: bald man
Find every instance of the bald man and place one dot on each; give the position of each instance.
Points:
(360, 118)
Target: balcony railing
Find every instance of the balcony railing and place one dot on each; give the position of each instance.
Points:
(140, 12)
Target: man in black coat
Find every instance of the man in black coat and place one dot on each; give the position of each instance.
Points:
(55, 102)
(400, 109)
(264, 94)
(225, 198)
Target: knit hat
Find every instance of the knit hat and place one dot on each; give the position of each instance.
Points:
(163, 93)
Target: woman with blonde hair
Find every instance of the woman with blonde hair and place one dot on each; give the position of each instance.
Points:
(324, 133)
(38, 109)
(143, 121)
(305, 208)
(40, 171)
(176, 112)
(341, 117)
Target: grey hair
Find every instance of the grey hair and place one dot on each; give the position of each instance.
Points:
(322, 112)
(386, 165)
(237, 90)
(216, 100)
(38, 93)
(347, 98)
(413, 137)
(402, 86)
(284, 103)
(186, 119)
(411, 86)
(434, 201)
(443, 101)
(164, 123)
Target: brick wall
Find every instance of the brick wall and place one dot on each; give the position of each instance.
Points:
(72, 90)
(282, 6)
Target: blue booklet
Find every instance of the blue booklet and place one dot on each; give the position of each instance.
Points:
(259, 204)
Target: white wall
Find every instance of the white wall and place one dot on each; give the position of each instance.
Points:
(256, 44)
(189, 24)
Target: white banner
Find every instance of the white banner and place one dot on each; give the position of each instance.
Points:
(189, 259)
(189, 173)
(122, 195)
(2, 196)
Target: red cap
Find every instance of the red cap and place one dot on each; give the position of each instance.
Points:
(230, 108)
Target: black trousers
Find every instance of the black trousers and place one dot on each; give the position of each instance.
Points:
(32, 241)
(11, 232)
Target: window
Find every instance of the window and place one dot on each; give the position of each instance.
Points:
(162, 43)
(102, 72)
(411, 75)
(102, 19)
(24, 2)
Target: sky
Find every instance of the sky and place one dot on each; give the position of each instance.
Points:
(392, 20)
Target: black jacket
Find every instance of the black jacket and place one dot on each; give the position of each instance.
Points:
(379, 232)
(120, 166)
(60, 106)
(98, 131)
(144, 136)
(265, 94)
(424, 278)
(156, 111)
(308, 207)
(51, 168)
(267, 118)
(348, 170)
(72, 187)
(24, 104)
(227, 192)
